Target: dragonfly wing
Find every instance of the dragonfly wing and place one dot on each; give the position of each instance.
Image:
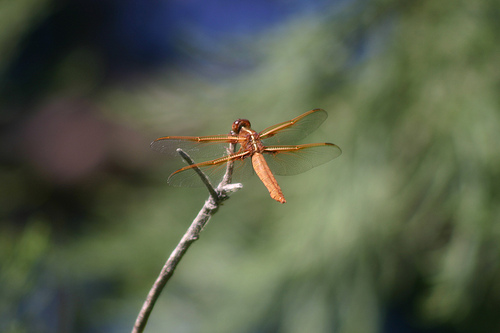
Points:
(294, 130)
(200, 148)
(292, 160)
(214, 170)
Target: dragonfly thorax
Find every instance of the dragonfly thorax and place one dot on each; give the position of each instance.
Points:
(251, 141)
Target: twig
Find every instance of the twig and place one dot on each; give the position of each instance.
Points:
(209, 208)
(200, 173)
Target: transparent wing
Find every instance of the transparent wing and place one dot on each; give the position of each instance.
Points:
(294, 130)
(292, 160)
(214, 170)
(200, 148)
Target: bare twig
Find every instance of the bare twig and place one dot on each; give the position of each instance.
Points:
(200, 173)
(209, 208)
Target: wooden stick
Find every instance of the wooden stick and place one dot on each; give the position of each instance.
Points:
(209, 208)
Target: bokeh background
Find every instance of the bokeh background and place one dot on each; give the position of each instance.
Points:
(399, 234)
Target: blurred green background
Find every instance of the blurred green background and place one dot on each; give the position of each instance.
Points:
(399, 234)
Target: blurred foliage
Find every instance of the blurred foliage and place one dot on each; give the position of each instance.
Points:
(399, 234)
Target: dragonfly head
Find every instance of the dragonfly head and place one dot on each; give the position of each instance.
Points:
(239, 124)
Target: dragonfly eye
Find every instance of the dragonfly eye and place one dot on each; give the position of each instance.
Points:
(238, 124)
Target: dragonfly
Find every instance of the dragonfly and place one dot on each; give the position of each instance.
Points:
(271, 152)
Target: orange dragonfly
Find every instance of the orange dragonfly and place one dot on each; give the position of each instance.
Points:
(270, 151)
